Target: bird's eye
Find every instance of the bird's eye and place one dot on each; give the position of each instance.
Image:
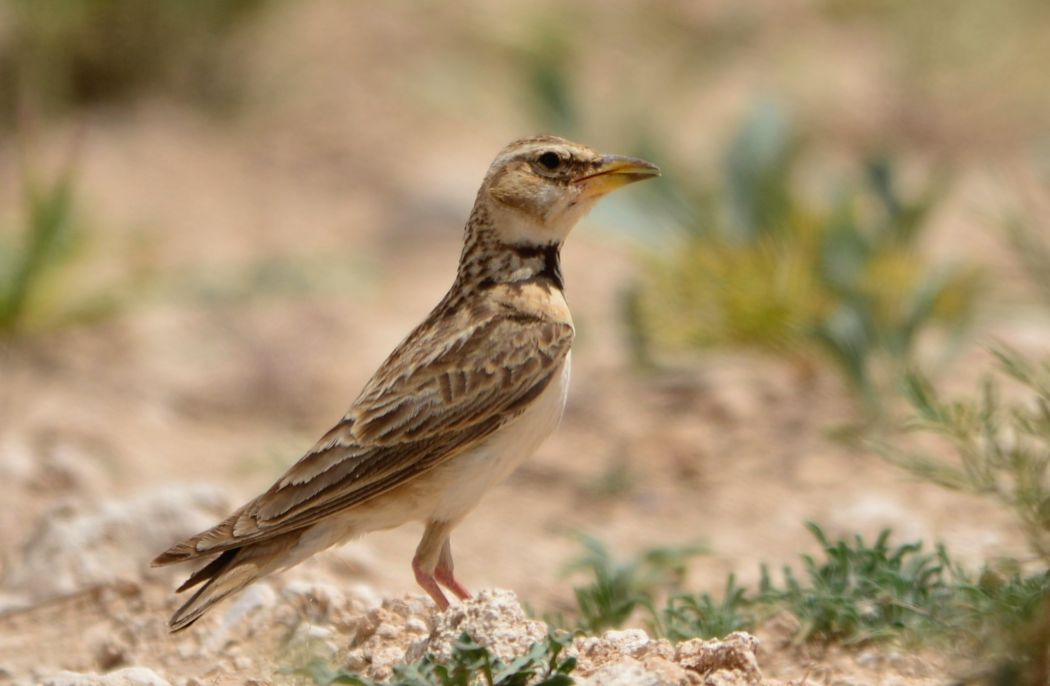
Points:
(550, 160)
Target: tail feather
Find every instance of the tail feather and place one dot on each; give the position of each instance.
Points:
(225, 576)
(208, 571)
(219, 538)
(180, 552)
(232, 570)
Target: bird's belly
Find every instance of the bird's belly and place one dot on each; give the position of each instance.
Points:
(460, 483)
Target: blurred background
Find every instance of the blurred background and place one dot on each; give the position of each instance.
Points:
(216, 218)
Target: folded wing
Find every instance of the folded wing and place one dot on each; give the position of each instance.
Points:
(449, 385)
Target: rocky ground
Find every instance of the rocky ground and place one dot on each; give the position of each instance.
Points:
(277, 636)
(726, 457)
(266, 267)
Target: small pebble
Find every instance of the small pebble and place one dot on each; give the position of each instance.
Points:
(315, 631)
(387, 631)
(416, 625)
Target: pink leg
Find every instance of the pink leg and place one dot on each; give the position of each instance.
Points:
(429, 584)
(426, 560)
(444, 575)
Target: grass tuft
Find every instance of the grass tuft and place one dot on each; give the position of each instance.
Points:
(618, 589)
(861, 592)
(688, 616)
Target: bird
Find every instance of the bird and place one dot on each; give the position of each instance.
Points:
(468, 395)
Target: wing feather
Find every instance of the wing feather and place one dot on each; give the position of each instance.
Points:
(448, 386)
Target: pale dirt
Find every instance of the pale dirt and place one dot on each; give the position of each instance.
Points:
(119, 437)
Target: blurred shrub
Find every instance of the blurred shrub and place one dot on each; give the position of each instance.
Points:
(1000, 620)
(688, 615)
(618, 588)
(57, 54)
(1032, 247)
(757, 264)
(39, 260)
(1001, 450)
(1029, 235)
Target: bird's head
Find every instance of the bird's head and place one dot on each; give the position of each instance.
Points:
(538, 188)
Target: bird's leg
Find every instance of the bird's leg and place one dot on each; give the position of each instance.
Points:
(443, 572)
(426, 560)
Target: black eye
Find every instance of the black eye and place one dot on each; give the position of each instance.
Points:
(550, 160)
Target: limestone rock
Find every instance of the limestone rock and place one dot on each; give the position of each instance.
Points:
(78, 545)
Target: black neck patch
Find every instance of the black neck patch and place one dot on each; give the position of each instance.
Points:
(551, 256)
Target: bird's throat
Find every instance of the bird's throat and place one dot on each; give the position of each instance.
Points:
(544, 261)
(515, 264)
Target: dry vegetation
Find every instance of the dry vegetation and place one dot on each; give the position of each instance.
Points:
(214, 223)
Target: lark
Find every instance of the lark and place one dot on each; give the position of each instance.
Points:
(455, 408)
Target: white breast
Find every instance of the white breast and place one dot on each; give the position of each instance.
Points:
(465, 479)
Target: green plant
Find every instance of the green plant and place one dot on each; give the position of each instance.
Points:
(759, 264)
(618, 589)
(855, 592)
(1000, 620)
(37, 264)
(470, 664)
(1002, 449)
(861, 592)
(1032, 249)
(1028, 233)
(47, 239)
(701, 616)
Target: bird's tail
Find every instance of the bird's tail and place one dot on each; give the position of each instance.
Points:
(222, 577)
(228, 573)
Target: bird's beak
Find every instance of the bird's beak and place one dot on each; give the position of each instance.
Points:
(613, 172)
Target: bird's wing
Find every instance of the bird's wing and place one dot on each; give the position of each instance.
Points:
(450, 384)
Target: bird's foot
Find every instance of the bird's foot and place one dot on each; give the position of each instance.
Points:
(445, 577)
(429, 584)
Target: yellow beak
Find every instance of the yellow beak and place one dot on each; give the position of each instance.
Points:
(615, 172)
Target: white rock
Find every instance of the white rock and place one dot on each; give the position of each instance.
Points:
(627, 673)
(78, 545)
(314, 640)
(315, 631)
(494, 619)
(364, 596)
(416, 625)
(54, 463)
(627, 641)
